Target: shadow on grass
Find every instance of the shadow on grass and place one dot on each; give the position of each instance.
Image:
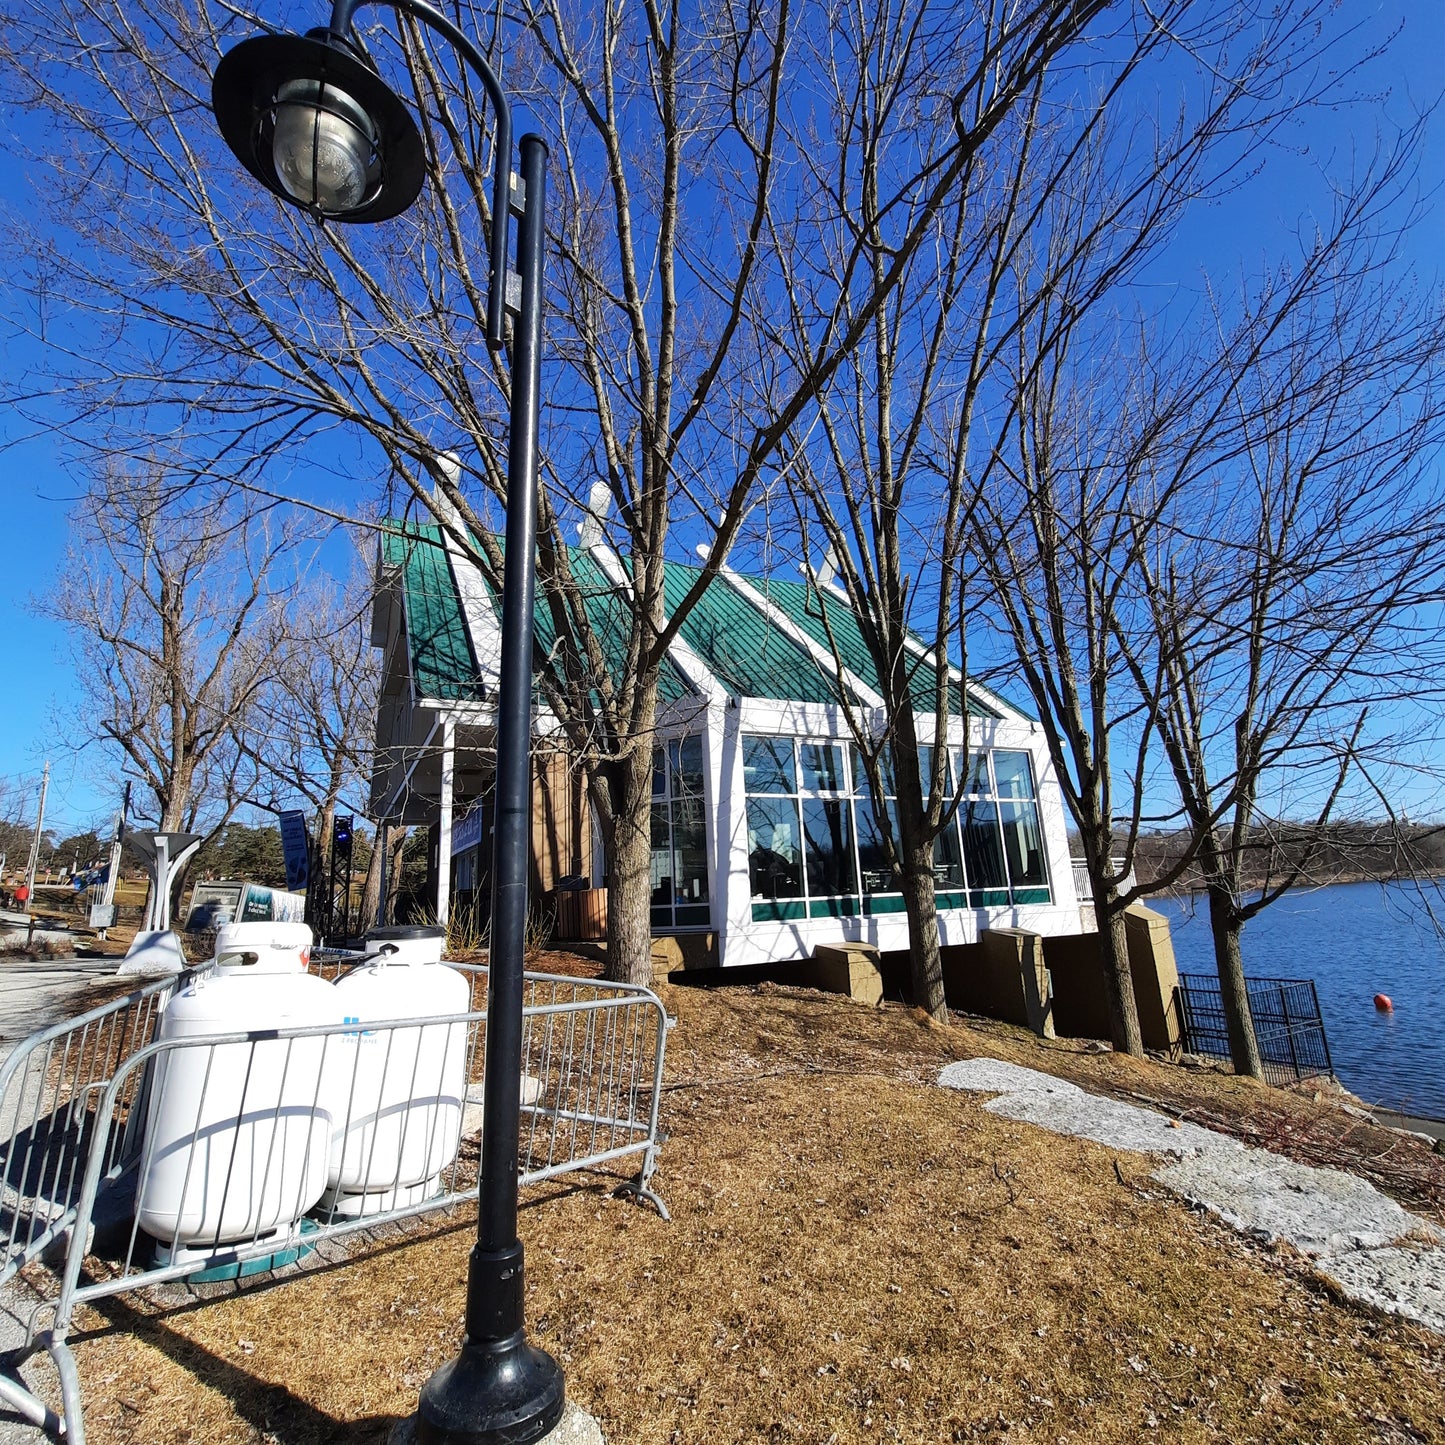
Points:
(272, 1409)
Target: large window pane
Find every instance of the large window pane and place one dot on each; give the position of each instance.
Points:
(978, 783)
(687, 768)
(828, 833)
(925, 772)
(662, 873)
(878, 877)
(947, 860)
(659, 773)
(982, 850)
(1024, 844)
(1014, 778)
(860, 774)
(689, 848)
(775, 861)
(821, 767)
(768, 765)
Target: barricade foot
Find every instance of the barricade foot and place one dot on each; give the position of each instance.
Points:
(14, 1396)
(639, 1188)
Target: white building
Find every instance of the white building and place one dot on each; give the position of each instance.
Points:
(765, 839)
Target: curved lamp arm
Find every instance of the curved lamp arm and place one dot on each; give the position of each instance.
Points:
(342, 13)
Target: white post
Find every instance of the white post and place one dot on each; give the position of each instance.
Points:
(160, 918)
(732, 909)
(444, 840)
(113, 871)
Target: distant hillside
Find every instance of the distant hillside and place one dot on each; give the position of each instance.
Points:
(1336, 853)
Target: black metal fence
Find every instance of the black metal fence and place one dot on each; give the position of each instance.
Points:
(1287, 1023)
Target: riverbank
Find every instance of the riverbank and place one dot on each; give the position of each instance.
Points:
(1413, 1124)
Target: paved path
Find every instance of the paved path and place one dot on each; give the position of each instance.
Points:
(37, 993)
(1375, 1251)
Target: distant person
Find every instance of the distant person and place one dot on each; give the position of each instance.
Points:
(22, 896)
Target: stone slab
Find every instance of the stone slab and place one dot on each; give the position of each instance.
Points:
(1403, 1281)
(1036, 1098)
(1268, 1197)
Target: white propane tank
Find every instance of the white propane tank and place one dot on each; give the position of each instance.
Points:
(398, 1104)
(237, 1134)
(263, 947)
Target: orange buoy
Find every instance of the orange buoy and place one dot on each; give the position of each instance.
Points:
(1384, 1004)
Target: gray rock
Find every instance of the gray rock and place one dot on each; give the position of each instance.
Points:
(1036, 1098)
(1318, 1211)
(1403, 1281)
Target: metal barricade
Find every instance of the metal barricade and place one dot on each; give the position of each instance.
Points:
(48, 1086)
(226, 1155)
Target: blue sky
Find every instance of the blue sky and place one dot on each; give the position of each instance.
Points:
(38, 704)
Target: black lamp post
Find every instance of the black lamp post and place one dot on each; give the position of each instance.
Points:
(311, 119)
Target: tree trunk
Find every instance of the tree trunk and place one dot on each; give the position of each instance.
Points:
(1228, 959)
(396, 864)
(925, 965)
(325, 913)
(173, 821)
(915, 853)
(1118, 977)
(376, 870)
(629, 870)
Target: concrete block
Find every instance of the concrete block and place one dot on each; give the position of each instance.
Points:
(850, 969)
(1016, 979)
(673, 951)
(154, 951)
(1076, 967)
(1156, 977)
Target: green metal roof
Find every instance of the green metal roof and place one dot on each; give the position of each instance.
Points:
(609, 615)
(744, 650)
(734, 639)
(803, 605)
(443, 664)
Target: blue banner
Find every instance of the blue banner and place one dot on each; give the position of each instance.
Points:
(296, 845)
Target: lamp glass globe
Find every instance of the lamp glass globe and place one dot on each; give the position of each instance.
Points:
(323, 147)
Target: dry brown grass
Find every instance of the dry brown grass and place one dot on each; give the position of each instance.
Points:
(855, 1255)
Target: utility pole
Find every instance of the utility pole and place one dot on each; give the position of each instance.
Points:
(35, 842)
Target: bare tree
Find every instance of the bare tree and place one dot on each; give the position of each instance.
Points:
(316, 732)
(174, 605)
(1071, 492)
(1286, 581)
(659, 280)
(897, 451)
(667, 128)
(16, 805)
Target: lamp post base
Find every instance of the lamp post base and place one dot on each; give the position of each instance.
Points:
(500, 1392)
(576, 1427)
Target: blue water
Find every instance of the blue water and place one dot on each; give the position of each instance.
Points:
(1355, 940)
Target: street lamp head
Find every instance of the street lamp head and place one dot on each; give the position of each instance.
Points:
(316, 125)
